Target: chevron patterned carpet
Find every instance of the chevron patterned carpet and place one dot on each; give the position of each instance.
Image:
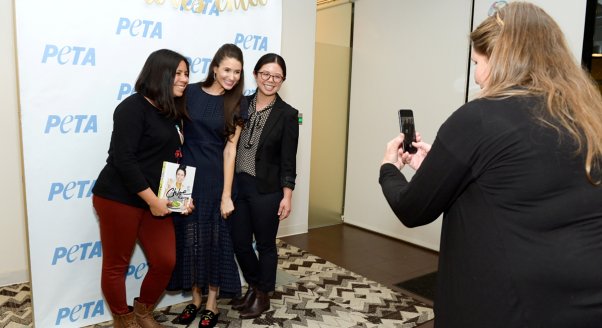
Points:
(320, 294)
(15, 306)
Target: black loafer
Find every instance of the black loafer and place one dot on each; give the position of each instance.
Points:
(208, 319)
(187, 315)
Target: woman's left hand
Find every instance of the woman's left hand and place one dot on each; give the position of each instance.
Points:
(285, 208)
(226, 207)
(189, 207)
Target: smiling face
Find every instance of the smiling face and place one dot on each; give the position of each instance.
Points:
(227, 73)
(180, 80)
(269, 79)
(481, 72)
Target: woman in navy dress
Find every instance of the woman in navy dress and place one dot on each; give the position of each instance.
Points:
(205, 261)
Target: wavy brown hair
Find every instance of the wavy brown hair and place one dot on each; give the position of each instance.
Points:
(526, 48)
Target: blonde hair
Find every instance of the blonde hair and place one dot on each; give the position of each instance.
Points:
(526, 48)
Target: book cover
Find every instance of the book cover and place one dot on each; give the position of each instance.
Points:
(176, 185)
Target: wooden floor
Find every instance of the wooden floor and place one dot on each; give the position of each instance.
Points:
(374, 256)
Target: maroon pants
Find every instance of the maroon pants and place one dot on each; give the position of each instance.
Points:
(120, 226)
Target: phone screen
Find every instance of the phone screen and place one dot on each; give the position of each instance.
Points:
(406, 126)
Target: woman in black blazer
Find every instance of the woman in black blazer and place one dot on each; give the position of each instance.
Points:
(265, 177)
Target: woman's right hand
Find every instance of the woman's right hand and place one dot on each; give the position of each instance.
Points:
(415, 160)
(159, 207)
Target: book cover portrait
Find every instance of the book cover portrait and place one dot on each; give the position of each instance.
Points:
(176, 185)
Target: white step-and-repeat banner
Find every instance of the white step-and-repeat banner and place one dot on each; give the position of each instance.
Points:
(77, 60)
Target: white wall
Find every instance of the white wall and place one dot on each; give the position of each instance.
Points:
(298, 47)
(406, 54)
(298, 44)
(13, 239)
(330, 113)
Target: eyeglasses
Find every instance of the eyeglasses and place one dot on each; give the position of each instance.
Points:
(266, 76)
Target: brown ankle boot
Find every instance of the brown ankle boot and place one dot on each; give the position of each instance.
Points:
(245, 301)
(127, 320)
(257, 307)
(144, 315)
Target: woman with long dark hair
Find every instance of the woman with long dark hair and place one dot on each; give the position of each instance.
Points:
(146, 132)
(205, 261)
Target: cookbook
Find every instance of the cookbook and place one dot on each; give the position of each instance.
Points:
(176, 185)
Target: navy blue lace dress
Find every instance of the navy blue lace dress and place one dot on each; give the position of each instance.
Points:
(204, 253)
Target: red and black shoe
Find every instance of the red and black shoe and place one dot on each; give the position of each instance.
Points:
(187, 315)
(208, 319)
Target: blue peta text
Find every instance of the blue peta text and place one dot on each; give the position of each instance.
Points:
(251, 42)
(80, 123)
(73, 55)
(79, 252)
(71, 189)
(80, 311)
(140, 28)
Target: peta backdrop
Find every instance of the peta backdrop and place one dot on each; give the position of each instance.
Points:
(77, 60)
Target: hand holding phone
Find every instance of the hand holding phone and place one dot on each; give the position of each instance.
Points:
(406, 126)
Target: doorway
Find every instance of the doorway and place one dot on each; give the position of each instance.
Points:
(330, 113)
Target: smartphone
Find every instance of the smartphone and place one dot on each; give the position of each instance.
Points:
(406, 126)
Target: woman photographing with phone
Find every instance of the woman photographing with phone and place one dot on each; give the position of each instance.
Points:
(517, 176)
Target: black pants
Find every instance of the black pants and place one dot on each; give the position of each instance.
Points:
(255, 214)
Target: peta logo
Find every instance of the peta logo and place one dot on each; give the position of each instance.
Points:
(71, 124)
(125, 89)
(80, 312)
(251, 42)
(140, 28)
(72, 189)
(79, 252)
(198, 64)
(72, 55)
(137, 271)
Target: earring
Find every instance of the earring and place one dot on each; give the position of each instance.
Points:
(214, 76)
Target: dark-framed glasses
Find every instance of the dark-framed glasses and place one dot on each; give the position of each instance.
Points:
(266, 76)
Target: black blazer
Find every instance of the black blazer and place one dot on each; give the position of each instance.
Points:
(276, 157)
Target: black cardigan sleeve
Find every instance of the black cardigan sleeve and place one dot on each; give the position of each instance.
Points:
(290, 141)
(128, 130)
(443, 175)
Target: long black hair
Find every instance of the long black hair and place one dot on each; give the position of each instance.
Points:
(156, 81)
(233, 96)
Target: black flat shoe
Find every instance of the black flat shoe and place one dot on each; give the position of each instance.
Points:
(208, 319)
(187, 315)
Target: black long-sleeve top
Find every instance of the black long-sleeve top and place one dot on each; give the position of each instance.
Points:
(521, 240)
(142, 139)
